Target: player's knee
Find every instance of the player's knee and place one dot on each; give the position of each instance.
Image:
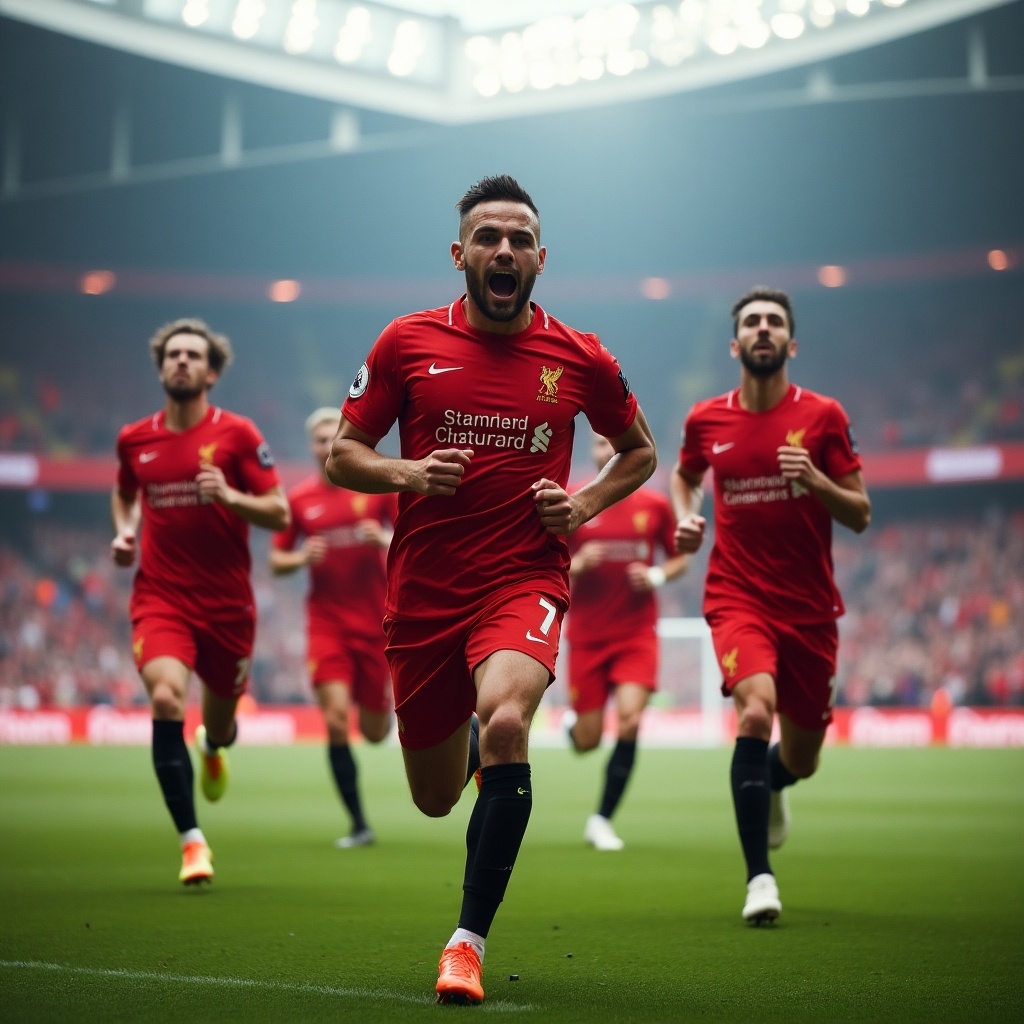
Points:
(585, 739)
(376, 732)
(803, 766)
(629, 727)
(374, 729)
(166, 702)
(433, 803)
(755, 720)
(504, 733)
(337, 725)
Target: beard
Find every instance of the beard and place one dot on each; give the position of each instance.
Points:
(183, 392)
(484, 301)
(764, 367)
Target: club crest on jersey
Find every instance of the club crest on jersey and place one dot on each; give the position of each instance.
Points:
(359, 384)
(548, 390)
(206, 453)
(137, 644)
(640, 521)
(359, 504)
(795, 438)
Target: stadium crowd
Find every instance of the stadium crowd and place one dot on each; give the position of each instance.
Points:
(954, 374)
(933, 607)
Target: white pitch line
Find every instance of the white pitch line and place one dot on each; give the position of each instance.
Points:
(494, 1006)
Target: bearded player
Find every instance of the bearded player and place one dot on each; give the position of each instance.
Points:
(193, 477)
(341, 537)
(785, 466)
(485, 392)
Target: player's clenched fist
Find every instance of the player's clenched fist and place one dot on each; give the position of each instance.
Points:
(795, 464)
(441, 471)
(690, 534)
(555, 507)
(213, 485)
(122, 547)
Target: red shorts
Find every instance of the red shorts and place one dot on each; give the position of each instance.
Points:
(594, 669)
(220, 654)
(801, 659)
(433, 660)
(363, 667)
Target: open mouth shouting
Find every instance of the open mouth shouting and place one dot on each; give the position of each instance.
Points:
(502, 285)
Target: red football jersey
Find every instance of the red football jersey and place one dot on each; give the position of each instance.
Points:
(194, 556)
(346, 593)
(604, 606)
(513, 399)
(773, 539)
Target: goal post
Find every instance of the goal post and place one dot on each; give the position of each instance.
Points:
(704, 690)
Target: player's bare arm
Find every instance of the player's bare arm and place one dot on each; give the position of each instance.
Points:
(687, 493)
(310, 552)
(126, 510)
(846, 498)
(269, 510)
(634, 461)
(355, 463)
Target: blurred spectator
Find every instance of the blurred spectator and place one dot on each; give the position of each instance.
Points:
(934, 607)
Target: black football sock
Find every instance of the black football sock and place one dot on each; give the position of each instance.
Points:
(174, 772)
(779, 774)
(616, 776)
(495, 833)
(751, 798)
(346, 778)
(474, 748)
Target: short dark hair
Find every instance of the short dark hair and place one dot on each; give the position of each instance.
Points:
(495, 188)
(220, 354)
(762, 293)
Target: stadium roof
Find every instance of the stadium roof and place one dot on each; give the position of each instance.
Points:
(461, 61)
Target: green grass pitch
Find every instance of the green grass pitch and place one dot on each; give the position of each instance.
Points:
(902, 885)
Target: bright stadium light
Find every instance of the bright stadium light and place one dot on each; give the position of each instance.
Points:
(302, 27)
(482, 61)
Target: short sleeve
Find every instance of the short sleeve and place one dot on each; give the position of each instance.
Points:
(612, 407)
(840, 447)
(127, 483)
(377, 395)
(256, 463)
(691, 455)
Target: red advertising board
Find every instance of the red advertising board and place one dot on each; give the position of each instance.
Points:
(911, 467)
(284, 725)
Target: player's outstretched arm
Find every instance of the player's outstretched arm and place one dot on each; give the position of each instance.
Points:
(355, 463)
(126, 511)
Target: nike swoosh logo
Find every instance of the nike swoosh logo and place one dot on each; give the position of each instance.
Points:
(148, 456)
(536, 639)
(717, 448)
(434, 368)
(315, 512)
